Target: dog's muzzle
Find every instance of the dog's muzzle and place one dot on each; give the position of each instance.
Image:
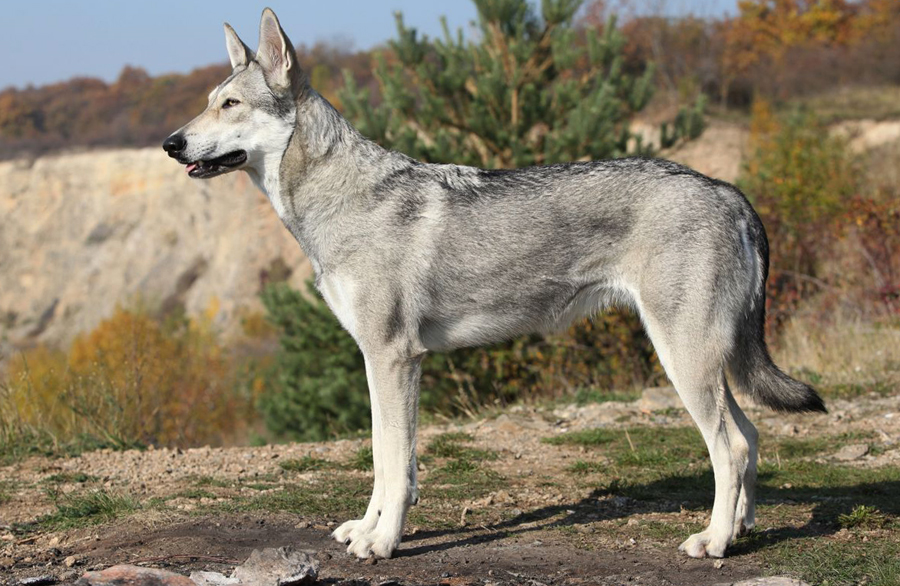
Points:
(175, 146)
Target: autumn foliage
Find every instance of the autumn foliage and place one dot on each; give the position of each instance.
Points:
(132, 381)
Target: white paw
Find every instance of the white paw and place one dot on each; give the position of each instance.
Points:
(373, 544)
(343, 533)
(701, 545)
(741, 529)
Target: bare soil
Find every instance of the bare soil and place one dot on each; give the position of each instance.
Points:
(537, 524)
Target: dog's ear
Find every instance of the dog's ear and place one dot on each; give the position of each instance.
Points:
(276, 56)
(238, 52)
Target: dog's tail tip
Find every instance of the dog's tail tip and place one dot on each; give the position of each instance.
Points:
(768, 385)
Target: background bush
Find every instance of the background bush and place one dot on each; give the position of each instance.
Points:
(135, 380)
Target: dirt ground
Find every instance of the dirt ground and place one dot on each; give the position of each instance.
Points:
(523, 514)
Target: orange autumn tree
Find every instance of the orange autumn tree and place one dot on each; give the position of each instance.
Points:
(765, 30)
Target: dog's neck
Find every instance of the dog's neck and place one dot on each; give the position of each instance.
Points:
(326, 165)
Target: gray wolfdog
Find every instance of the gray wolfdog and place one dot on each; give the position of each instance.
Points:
(413, 257)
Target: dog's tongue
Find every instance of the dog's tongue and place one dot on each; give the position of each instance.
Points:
(191, 167)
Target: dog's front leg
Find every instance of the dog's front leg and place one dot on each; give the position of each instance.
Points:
(394, 379)
(353, 530)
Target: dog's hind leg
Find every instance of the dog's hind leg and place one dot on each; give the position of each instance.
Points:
(395, 379)
(353, 530)
(712, 406)
(745, 517)
(694, 361)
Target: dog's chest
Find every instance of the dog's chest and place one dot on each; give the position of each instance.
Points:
(340, 295)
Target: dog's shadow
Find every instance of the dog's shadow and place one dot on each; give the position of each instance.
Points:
(694, 492)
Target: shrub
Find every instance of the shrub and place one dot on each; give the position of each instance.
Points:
(801, 181)
(131, 381)
(318, 388)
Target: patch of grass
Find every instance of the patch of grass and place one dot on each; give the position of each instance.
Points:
(362, 459)
(830, 562)
(594, 395)
(5, 495)
(881, 388)
(305, 464)
(452, 445)
(669, 411)
(259, 485)
(589, 437)
(210, 481)
(640, 446)
(862, 516)
(88, 508)
(460, 480)
(193, 493)
(584, 467)
(70, 478)
(811, 446)
(337, 495)
(18, 443)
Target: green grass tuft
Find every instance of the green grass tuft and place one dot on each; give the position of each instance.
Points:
(862, 516)
(362, 460)
(305, 464)
(88, 508)
(70, 478)
(452, 445)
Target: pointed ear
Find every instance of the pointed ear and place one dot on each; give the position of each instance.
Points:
(238, 52)
(276, 55)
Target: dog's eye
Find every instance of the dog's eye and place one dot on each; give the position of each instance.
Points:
(229, 103)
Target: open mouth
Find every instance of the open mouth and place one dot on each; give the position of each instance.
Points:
(217, 166)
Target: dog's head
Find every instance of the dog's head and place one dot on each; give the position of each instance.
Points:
(251, 114)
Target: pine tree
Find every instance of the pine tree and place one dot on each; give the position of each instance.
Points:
(529, 90)
(319, 385)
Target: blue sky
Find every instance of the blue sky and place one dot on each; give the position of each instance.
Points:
(52, 40)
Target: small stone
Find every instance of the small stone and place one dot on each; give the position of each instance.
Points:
(852, 452)
(718, 564)
(302, 525)
(212, 579)
(46, 580)
(54, 542)
(70, 561)
(128, 575)
(282, 566)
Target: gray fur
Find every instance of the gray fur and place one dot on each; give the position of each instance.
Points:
(414, 257)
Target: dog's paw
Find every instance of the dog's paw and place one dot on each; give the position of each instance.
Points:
(701, 545)
(742, 528)
(343, 533)
(373, 544)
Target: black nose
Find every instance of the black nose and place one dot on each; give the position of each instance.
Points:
(174, 144)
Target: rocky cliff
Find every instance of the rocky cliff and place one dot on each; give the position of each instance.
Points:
(80, 233)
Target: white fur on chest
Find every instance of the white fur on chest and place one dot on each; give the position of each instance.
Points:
(340, 295)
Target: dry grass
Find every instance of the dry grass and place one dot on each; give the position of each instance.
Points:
(844, 350)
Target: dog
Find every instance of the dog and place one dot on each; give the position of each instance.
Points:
(413, 257)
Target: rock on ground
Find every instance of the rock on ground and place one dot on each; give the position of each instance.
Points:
(277, 567)
(852, 452)
(127, 575)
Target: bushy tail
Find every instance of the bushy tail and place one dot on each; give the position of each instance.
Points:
(755, 374)
(750, 366)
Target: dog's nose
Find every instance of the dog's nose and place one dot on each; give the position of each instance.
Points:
(174, 144)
